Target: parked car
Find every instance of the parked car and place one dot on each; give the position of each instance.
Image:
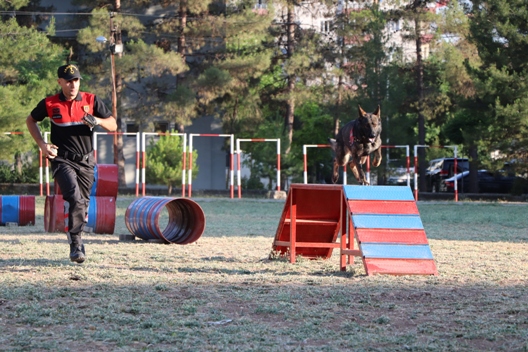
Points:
(488, 182)
(398, 177)
(441, 169)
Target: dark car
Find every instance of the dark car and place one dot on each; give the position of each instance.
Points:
(441, 169)
(488, 182)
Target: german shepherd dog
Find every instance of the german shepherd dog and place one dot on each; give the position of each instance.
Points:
(357, 139)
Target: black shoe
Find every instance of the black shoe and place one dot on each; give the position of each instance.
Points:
(77, 253)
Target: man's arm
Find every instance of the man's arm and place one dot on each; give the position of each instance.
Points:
(104, 116)
(108, 124)
(49, 150)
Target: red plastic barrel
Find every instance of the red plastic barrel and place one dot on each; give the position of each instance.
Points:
(101, 215)
(185, 225)
(54, 214)
(17, 209)
(106, 181)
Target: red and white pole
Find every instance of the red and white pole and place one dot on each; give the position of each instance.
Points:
(239, 152)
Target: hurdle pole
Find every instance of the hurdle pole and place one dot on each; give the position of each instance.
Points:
(144, 162)
(138, 165)
(305, 157)
(46, 134)
(40, 172)
(231, 169)
(368, 169)
(95, 145)
(239, 152)
(407, 159)
(278, 164)
(144, 155)
(96, 134)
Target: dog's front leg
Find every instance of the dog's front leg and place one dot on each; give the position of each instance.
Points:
(377, 158)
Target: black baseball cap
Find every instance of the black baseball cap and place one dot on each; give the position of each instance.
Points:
(69, 72)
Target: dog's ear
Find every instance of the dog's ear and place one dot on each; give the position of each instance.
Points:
(377, 112)
(361, 112)
(333, 143)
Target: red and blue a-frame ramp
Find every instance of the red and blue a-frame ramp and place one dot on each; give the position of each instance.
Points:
(383, 220)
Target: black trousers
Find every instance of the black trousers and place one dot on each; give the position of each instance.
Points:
(75, 179)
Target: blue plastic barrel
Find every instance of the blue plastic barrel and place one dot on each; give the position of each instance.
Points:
(185, 225)
(101, 215)
(17, 209)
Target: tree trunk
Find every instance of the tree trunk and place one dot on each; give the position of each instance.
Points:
(182, 49)
(119, 136)
(420, 91)
(290, 112)
(18, 163)
(119, 156)
(473, 168)
(339, 103)
(183, 24)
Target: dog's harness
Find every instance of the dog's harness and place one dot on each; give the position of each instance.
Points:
(352, 139)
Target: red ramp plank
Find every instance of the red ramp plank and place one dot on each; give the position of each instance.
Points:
(382, 207)
(400, 266)
(310, 221)
(392, 236)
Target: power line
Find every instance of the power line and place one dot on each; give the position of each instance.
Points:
(36, 13)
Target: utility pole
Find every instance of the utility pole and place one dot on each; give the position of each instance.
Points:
(116, 47)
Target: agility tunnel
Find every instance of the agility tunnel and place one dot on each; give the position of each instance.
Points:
(384, 221)
(19, 210)
(101, 215)
(186, 219)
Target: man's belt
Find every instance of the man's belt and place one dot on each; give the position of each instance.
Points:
(72, 156)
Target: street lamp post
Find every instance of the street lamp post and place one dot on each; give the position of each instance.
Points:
(116, 47)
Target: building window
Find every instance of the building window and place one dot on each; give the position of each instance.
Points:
(132, 128)
(161, 127)
(326, 26)
(261, 4)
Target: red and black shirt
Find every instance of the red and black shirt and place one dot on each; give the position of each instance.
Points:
(68, 132)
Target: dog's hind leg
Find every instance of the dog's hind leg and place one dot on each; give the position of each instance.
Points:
(343, 161)
(357, 170)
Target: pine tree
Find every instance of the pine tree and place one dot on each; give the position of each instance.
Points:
(230, 87)
(499, 30)
(27, 75)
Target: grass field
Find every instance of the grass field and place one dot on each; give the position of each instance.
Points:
(223, 293)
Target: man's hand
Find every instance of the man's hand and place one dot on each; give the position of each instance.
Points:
(51, 151)
(90, 120)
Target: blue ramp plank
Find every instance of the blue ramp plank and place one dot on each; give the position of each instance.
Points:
(378, 192)
(396, 251)
(370, 221)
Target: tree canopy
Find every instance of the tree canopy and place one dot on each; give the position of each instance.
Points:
(443, 73)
